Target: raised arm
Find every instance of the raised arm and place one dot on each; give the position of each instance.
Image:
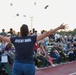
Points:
(6, 39)
(62, 26)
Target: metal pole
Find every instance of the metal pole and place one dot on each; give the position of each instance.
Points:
(31, 23)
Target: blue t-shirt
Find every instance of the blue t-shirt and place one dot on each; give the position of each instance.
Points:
(24, 48)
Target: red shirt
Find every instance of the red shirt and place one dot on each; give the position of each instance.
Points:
(35, 47)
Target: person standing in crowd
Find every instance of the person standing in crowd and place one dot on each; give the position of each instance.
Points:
(24, 45)
(11, 31)
(3, 33)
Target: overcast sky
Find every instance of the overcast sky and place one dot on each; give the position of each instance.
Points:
(57, 12)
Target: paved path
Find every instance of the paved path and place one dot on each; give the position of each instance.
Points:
(63, 69)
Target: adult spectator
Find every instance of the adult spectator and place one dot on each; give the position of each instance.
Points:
(41, 55)
(11, 31)
(3, 33)
(35, 47)
(57, 36)
(71, 53)
(54, 53)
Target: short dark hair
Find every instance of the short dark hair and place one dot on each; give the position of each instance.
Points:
(24, 30)
(11, 29)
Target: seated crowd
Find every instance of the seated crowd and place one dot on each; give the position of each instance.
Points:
(54, 46)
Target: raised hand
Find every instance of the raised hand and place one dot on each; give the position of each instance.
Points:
(63, 26)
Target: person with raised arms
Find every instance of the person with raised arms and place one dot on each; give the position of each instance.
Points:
(24, 45)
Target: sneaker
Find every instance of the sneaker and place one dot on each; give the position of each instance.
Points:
(53, 65)
(36, 67)
(56, 64)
